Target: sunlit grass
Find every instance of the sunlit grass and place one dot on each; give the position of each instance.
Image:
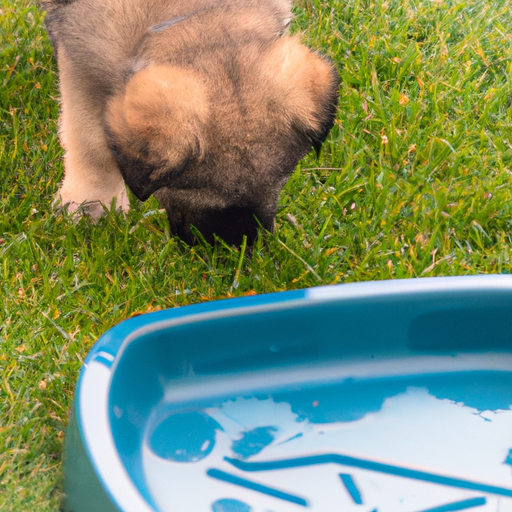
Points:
(414, 180)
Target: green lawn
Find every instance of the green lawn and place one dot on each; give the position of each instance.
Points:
(414, 180)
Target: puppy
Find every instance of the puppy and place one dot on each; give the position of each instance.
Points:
(207, 104)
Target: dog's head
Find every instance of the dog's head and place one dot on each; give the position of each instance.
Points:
(216, 140)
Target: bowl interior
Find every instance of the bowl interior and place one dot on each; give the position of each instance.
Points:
(395, 402)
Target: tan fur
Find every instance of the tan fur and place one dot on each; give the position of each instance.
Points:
(163, 109)
(92, 178)
(209, 104)
(301, 80)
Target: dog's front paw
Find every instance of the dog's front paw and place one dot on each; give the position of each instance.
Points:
(93, 208)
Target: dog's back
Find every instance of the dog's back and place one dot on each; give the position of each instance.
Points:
(103, 37)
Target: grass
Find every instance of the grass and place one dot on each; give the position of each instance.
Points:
(414, 180)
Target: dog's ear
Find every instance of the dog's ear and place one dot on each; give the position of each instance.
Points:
(307, 84)
(155, 126)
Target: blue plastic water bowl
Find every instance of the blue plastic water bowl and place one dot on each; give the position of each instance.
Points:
(388, 396)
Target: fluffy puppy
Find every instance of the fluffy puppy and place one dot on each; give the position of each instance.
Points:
(207, 104)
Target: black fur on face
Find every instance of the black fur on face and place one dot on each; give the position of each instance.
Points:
(230, 224)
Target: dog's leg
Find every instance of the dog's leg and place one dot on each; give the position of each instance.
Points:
(91, 176)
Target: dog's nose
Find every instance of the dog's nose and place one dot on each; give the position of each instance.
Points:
(230, 224)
